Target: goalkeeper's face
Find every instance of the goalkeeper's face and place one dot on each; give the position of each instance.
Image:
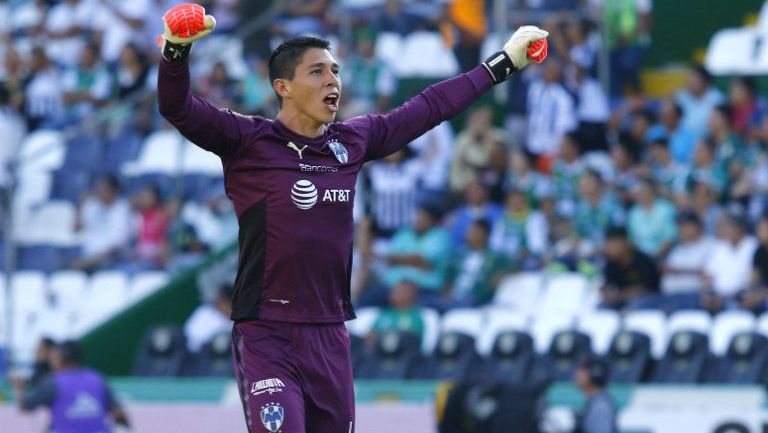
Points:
(315, 90)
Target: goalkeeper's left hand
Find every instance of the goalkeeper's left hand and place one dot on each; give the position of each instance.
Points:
(182, 25)
(527, 44)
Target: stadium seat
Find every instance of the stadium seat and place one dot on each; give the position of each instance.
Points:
(511, 358)
(395, 356)
(455, 352)
(389, 48)
(215, 357)
(652, 324)
(601, 326)
(33, 188)
(544, 328)
(630, 357)
(145, 283)
(125, 147)
(689, 320)
(568, 349)
(686, 360)
(67, 288)
(358, 329)
(726, 326)
(160, 153)
(107, 293)
(53, 223)
(498, 321)
(42, 150)
(198, 161)
(745, 361)
(762, 324)
(83, 152)
(70, 185)
(563, 295)
(425, 55)
(29, 290)
(520, 291)
(44, 258)
(431, 320)
(161, 352)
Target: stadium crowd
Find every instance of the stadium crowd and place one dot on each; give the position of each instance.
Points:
(662, 200)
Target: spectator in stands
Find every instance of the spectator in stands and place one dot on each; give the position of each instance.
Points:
(152, 231)
(13, 130)
(596, 211)
(184, 247)
(732, 155)
(591, 110)
(477, 205)
(755, 298)
(729, 267)
(625, 157)
(132, 71)
(627, 26)
(368, 82)
(434, 151)
(703, 201)
(464, 28)
(669, 175)
(301, 17)
(683, 269)
(551, 113)
(209, 319)
(43, 92)
(66, 26)
(599, 412)
(706, 169)
(682, 142)
(748, 111)
(258, 97)
(79, 398)
(521, 232)
(421, 255)
(651, 221)
(392, 192)
(392, 17)
(477, 270)
(566, 171)
(631, 277)
(521, 176)
(219, 88)
(402, 314)
(104, 222)
(697, 100)
(118, 23)
(87, 86)
(475, 147)
(41, 369)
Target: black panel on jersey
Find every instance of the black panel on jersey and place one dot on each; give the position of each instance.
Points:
(249, 283)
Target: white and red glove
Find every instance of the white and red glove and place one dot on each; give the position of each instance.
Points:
(184, 24)
(528, 44)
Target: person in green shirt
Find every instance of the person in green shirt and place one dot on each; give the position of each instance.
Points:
(651, 222)
(402, 314)
(476, 271)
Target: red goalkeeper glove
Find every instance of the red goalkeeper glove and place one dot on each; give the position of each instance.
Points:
(184, 24)
(528, 44)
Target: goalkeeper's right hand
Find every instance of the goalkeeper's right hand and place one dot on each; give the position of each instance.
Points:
(184, 24)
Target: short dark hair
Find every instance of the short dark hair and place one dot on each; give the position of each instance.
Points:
(616, 233)
(70, 354)
(484, 224)
(285, 58)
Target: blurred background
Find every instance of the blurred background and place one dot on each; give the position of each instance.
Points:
(608, 205)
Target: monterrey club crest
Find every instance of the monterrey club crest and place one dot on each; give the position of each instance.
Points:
(272, 415)
(339, 151)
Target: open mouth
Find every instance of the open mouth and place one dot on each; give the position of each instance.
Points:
(332, 101)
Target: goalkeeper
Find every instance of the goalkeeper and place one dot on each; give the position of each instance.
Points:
(292, 182)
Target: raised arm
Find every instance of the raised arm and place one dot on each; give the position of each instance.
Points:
(207, 126)
(387, 133)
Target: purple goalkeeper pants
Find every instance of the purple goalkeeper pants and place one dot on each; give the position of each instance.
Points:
(294, 378)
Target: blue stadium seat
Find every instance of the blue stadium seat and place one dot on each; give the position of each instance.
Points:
(566, 352)
(686, 359)
(511, 358)
(83, 153)
(630, 357)
(70, 185)
(395, 355)
(452, 359)
(125, 147)
(162, 352)
(745, 362)
(45, 258)
(215, 358)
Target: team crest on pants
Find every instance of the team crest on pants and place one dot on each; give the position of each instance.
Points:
(272, 416)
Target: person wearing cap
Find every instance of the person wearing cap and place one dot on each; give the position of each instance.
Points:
(599, 412)
(683, 269)
(729, 267)
(79, 398)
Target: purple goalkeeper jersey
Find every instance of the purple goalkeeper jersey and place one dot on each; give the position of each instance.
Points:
(293, 194)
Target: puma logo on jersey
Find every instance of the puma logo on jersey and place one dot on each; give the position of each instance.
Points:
(293, 146)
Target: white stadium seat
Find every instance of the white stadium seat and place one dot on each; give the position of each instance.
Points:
(651, 323)
(52, 223)
(601, 326)
(545, 326)
(29, 290)
(198, 161)
(468, 321)
(68, 288)
(564, 294)
(520, 291)
(431, 330)
(362, 325)
(161, 153)
(689, 320)
(42, 150)
(145, 283)
(499, 320)
(726, 325)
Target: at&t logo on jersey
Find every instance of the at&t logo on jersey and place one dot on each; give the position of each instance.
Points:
(336, 195)
(304, 194)
(271, 386)
(272, 415)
